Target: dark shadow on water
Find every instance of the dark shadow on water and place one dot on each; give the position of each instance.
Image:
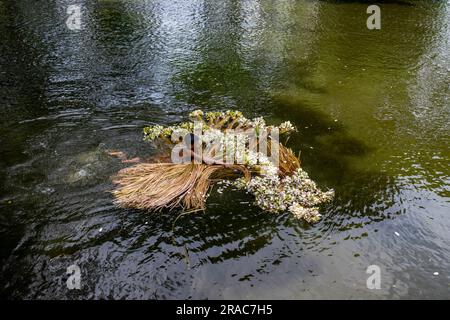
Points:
(328, 154)
(322, 141)
(135, 245)
(116, 24)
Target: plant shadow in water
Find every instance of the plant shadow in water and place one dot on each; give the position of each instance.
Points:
(321, 140)
(329, 154)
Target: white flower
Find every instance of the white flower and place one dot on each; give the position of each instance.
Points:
(286, 126)
(214, 136)
(259, 124)
(178, 133)
(196, 114)
(269, 170)
(152, 132)
(311, 215)
(297, 193)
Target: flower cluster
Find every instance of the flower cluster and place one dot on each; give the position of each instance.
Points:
(157, 131)
(311, 215)
(259, 122)
(234, 114)
(286, 126)
(212, 116)
(297, 194)
(212, 120)
(197, 114)
(153, 132)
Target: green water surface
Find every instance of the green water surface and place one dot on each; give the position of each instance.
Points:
(372, 108)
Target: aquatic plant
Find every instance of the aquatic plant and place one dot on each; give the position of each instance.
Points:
(276, 188)
(156, 186)
(297, 194)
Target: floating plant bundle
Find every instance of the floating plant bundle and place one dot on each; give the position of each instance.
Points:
(222, 147)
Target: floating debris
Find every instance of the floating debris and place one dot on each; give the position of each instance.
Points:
(297, 194)
(277, 187)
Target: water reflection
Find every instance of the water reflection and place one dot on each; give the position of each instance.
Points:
(373, 118)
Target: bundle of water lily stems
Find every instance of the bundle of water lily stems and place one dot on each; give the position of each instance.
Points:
(278, 186)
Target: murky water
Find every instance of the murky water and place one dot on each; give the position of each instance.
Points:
(372, 108)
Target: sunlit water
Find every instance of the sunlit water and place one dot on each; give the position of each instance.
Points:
(372, 108)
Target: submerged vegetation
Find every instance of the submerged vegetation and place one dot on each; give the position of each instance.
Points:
(260, 164)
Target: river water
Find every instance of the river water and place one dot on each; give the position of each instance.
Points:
(373, 111)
